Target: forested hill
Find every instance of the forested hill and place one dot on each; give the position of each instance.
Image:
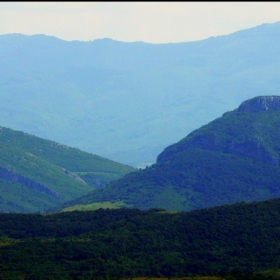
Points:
(251, 130)
(128, 101)
(38, 174)
(233, 158)
(237, 242)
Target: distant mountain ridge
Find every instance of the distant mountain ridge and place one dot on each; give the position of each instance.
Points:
(128, 101)
(231, 159)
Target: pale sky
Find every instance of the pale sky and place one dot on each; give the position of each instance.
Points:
(152, 22)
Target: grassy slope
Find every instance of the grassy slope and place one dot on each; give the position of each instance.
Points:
(72, 159)
(41, 161)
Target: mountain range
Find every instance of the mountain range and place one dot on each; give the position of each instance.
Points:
(204, 207)
(234, 158)
(128, 101)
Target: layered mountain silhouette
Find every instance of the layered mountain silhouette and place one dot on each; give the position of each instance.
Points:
(128, 101)
(232, 159)
(38, 174)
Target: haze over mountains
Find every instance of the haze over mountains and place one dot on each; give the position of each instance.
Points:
(128, 101)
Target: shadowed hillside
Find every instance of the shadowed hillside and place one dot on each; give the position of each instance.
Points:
(232, 242)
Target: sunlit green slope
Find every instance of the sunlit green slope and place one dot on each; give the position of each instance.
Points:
(38, 174)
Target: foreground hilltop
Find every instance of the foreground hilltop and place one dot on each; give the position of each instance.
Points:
(233, 158)
(241, 240)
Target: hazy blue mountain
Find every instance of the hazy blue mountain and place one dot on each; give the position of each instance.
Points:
(127, 101)
(234, 158)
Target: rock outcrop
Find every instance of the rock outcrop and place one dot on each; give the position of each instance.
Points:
(14, 177)
(260, 103)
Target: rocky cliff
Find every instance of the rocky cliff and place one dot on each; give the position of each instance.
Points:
(260, 103)
(17, 178)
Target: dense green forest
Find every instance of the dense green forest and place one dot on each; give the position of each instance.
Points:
(239, 239)
(229, 160)
(38, 174)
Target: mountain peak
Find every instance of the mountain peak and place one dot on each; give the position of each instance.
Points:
(260, 103)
